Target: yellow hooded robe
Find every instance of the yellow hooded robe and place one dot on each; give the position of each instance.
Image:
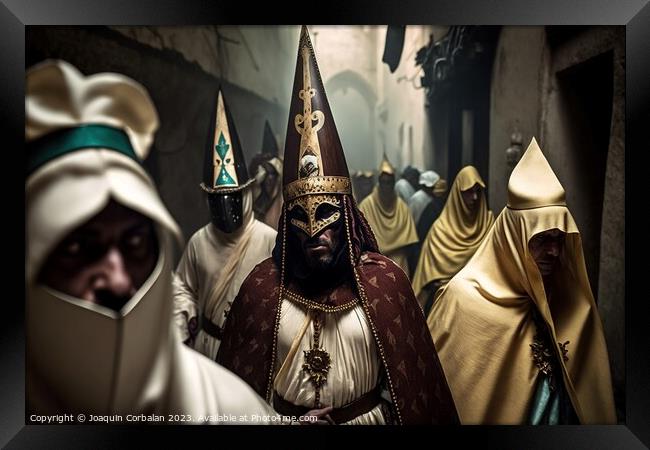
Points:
(454, 236)
(393, 226)
(482, 322)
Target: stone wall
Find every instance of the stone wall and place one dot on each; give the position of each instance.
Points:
(182, 80)
(566, 87)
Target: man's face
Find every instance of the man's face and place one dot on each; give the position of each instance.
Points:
(546, 248)
(320, 250)
(105, 260)
(386, 185)
(471, 196)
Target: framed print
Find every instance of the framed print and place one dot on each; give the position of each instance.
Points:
(220, 109)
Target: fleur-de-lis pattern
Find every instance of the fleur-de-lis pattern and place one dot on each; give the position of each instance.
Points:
(413, 365)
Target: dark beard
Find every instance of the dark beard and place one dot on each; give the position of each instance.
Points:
(322, 274)
(322, 264)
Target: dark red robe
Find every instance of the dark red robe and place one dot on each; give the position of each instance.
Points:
(419, 390)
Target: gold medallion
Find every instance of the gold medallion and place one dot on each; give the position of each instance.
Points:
(317, 364)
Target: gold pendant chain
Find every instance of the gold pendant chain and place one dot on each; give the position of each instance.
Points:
(316, 346)
(317, 361)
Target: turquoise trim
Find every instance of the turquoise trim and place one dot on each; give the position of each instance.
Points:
(67, 140)
(546, 404)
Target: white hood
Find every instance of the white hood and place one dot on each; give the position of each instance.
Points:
(82, 357)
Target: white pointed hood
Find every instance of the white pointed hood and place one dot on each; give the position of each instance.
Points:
(82, 357)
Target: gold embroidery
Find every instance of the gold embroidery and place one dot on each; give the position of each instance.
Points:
(310, 163)
(317, 185)
(318, 306)
(565, 351)
(309, 204)
(317, 362)
(276, 327)
(226, 190)
(544, 356)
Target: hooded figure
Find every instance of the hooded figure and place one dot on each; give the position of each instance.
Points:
(362, 184)
(424, 195)
(389, 218)
(266, 167)
(328, 321)
(220, 255)
(454, 237)
(426, 199)
(517, 328)
(100, 338)
(431, 211)
(406, 186)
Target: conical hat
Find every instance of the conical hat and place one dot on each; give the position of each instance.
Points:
(533, 183)
(386, 166)
(269, 144)
(314, 162)
(224, 163)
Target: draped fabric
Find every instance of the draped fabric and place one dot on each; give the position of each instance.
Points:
(454, 236)
(483, 324)
(393, 228)
(418, 389)
(356, 365)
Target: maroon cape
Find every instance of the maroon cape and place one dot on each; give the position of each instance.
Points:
(417, 383)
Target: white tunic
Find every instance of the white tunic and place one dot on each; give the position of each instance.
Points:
(355, 362)
(203, 261)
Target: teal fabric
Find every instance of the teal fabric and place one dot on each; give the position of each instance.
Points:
(551, 407)
(546, 404)
(67, 140)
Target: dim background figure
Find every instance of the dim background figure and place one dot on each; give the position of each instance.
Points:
(390, 219)
(454, 237)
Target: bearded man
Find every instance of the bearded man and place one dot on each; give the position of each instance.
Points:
(327, 320)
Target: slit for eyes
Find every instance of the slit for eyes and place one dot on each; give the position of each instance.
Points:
(298, 213)
(325, 211)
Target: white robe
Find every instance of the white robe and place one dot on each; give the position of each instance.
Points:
(206, 254)
(404, 189)
(418, 203)
(355, 362)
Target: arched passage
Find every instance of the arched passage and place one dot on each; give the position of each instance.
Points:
(353, 102)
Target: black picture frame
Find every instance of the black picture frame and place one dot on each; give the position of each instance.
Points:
(16, 14)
